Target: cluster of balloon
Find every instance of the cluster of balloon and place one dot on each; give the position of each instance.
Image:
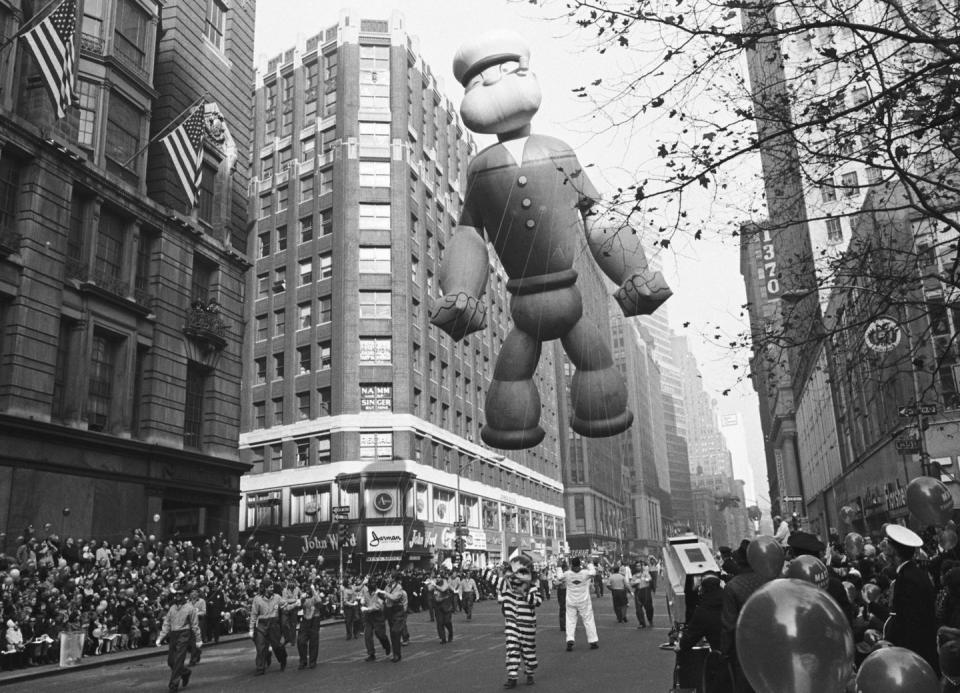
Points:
(765, 556)
(929, 501)
(809, 569)
(895, 669)
(805, 638)
(870, 593)
(853, 545)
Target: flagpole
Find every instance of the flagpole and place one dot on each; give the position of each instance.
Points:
(36, 19)
(164, 130)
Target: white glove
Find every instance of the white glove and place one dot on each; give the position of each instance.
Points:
(251, 635)
(198, 644)
(159, 641)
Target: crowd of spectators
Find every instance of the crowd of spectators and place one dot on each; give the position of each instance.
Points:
(116, 593)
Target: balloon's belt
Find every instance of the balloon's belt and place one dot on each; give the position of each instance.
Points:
(542, 282)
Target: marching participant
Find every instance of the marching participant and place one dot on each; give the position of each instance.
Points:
(265, 626)
(180, 625)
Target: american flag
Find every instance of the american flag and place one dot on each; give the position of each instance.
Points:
(52, 44)
(185, 146)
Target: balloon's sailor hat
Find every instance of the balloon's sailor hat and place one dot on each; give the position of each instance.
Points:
(903, 536)
(487, 49)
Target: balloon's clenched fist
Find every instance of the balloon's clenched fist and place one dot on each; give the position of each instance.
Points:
(642, 293)
(459, 315)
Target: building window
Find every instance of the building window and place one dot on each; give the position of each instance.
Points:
(123, 131)
(266, 205)
(281, 237)
(850, 183)
(326, 309)
(303, 359)
(270, 107)
(279, 322)
(376, 350)
(309, 505)
(259, 415)
(206, 193)
(278, 412)
(87, 113)
(303, 406)
(263, 509)
(306, 229)
(260, 370)
(375, 78)
(376, 446)
(201, 278)
(326, 355)
(306, 272)
(374, 216)
(283, 194)
(378, 397)
(327, 139)
(828, 192)
(92, 18)
(307, 146)
(311, 90)
(326, 222)
(303, 456)
(323, 400)
(9, 190)
(375, 174)
(323, 450)
(834, 230)
(103, 358)
(278, 369)
(374, 260)
(108, 267)
(326, 266)
(326, 181)
(216, 23)
(193, 405)
(130, 37)
(304, 316)
(373, 134)
(261, 327)
(375, 304)
(276, 458)
(279, 279)
(264, 246)
(306, 189)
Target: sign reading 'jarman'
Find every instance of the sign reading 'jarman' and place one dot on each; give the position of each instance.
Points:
(385, 538)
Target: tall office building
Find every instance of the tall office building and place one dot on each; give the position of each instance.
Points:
(357, 412)
(121, 307)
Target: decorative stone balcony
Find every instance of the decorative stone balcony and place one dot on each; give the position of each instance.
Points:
(205, 327)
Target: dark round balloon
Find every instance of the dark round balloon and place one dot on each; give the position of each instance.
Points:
(794, 638)
(809, 568)
(896, 669)
(66, 511)
(929, 501)
(765, 556)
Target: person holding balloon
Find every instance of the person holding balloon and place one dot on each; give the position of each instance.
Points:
(736, 593)
(912, 623)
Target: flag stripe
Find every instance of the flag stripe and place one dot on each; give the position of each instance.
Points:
(185, 147)
(51, 43)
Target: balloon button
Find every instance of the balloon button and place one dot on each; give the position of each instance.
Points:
(531, 223)
(525, 203)
(522, 180)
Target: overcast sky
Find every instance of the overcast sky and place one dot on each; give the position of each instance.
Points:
(704, 274)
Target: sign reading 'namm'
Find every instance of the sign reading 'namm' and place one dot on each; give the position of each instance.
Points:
(384, 538)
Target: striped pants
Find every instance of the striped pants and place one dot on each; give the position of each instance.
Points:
(521, 640)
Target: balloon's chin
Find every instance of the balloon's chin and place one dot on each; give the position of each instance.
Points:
(501, 107)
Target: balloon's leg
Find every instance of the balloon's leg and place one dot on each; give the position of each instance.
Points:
(513, 403)
(597, 392)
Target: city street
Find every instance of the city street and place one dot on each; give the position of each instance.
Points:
(474, 661)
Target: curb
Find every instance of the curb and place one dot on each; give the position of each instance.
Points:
(20, 675)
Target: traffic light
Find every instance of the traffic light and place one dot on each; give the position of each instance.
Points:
(460, 545)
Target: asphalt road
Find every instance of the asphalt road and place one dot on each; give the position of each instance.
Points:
(628, 660)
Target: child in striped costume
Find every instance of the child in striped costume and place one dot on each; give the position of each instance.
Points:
(519, 598)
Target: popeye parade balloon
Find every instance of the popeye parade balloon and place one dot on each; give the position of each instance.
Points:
(529, 197)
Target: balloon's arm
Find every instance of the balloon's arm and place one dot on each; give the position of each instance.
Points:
(463, 281)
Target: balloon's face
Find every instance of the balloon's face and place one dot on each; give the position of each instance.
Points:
(499, 99)
(520, 573)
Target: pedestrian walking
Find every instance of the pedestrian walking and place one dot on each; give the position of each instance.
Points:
(470, 594)
(519, 598)
(349, 599)
(265, 627)
(579, 605)
(653, 565)
(288, 611)
(617, 583)
(443, 599)
(395, 610)
(179, 626)
(374, 623)
(642, 596)
(308, 639)
(561, 589)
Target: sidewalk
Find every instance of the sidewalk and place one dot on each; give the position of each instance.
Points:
(16, 676)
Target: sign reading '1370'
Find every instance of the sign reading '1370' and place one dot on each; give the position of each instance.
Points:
(770, 270)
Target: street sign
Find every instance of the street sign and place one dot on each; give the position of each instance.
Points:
(911, 411)
(792, 499)
(908, 445)
(459, 523)
(928, 409)
(341, 510)
(907, 411)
